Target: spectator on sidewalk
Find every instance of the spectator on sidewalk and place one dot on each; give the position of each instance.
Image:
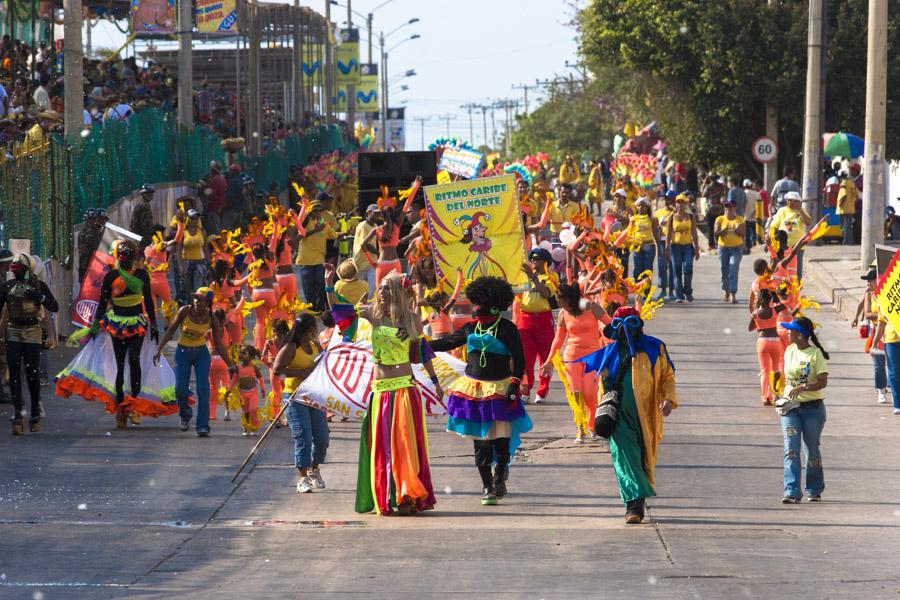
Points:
(750, 214)
(782, 187)
(846, 206)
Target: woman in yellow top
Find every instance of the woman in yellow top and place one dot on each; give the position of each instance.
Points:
(805, 376)
(192, 257)
(729, 233)
(194, 322)
(394, 474)
(647, 235)
(683, 247)
(309, 425)
(664, 266)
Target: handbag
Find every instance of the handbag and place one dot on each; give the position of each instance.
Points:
(785, 405)
(607, 415)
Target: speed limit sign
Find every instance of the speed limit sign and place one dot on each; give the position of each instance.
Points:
(765, 149)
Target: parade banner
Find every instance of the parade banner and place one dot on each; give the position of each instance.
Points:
(367, 89)
(342, 378)
(216, 16)
(313, 59)
(152, 16)
(396, 124)
(339, 100)
(887, 292)
(89, 295)
(476, 225)
(346, 58)
(461, 161)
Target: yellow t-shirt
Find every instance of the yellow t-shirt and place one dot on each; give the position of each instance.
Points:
(569, 174)
(846, 198)
(890, 333)
(193, 245)
(662, 217)
(802, 367)
(355, 291)
(532, 301)
(561, 214)
(681, 231)
(789, 221)
(644, 226)
(312, 247)
(729, 238)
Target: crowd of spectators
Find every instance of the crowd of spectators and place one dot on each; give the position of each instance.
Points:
(32, 94)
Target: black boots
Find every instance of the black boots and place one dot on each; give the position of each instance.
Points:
(634, 511)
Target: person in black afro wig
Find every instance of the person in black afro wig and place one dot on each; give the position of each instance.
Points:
(490, 292)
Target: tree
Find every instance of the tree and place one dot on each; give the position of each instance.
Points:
(575, 120)
(705, 70)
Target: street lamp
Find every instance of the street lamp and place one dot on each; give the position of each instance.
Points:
(384, 73)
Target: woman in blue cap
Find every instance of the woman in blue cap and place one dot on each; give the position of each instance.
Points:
(802, 419)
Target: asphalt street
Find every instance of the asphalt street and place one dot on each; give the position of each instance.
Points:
(88, 511)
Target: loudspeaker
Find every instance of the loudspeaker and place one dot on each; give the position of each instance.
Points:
(397, 170)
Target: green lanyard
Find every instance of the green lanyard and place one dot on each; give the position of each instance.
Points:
(490, 330)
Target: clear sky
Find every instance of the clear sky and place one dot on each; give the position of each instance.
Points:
(470, 51)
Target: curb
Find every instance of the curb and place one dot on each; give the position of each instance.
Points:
(842, 299)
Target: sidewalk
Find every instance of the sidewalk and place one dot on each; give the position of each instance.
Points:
(835, 271)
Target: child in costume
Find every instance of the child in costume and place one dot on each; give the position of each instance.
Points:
(394, 473)
(485, 404)
(245, 380)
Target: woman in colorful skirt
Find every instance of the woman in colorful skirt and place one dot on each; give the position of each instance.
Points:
(393, 452)
(485, 404)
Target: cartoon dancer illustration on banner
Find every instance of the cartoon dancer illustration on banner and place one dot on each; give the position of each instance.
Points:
(475, 233)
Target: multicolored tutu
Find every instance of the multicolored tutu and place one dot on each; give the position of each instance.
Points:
(123, 327)
(393, 453)
(92, 375)
(481, 410)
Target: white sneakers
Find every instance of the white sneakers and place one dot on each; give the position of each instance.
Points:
(897, 411)
(882, 397)
(227, 416)
(539, 399)
(312, 480)
(316, 477)
(305, 485)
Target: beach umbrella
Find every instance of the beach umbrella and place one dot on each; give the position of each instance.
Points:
(843, 144)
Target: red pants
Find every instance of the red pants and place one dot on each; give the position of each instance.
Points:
(218, 377)
(536, 330)
(771, 360)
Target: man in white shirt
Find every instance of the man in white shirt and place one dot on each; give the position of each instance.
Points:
(753, 199)
(41, 95)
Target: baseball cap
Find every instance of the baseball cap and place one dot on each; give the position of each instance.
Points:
(371, 208)
(540, 254)
(795, 326)
(748, 183)
(147, 188)
(792, 196)
(6, 255)
(619, 192)
(872, 275)
(324, 197)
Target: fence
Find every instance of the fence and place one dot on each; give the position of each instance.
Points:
(44, 192)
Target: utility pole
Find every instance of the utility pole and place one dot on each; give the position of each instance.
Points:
(524, 88)
(770, 169)
(254, 109)
(447, 118)
(369, 29)
(470, 106)
(493, 127)
(351, 88)
(185, 64)
(297, 64)
(384, 94)
(422, 121)
(484, 108)
(73, 91)
(876, 101)
(329, 66)
(812, 141)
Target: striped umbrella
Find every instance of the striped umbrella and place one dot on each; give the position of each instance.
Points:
(842, 144)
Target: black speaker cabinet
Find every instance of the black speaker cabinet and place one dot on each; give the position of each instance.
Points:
(397, 170)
